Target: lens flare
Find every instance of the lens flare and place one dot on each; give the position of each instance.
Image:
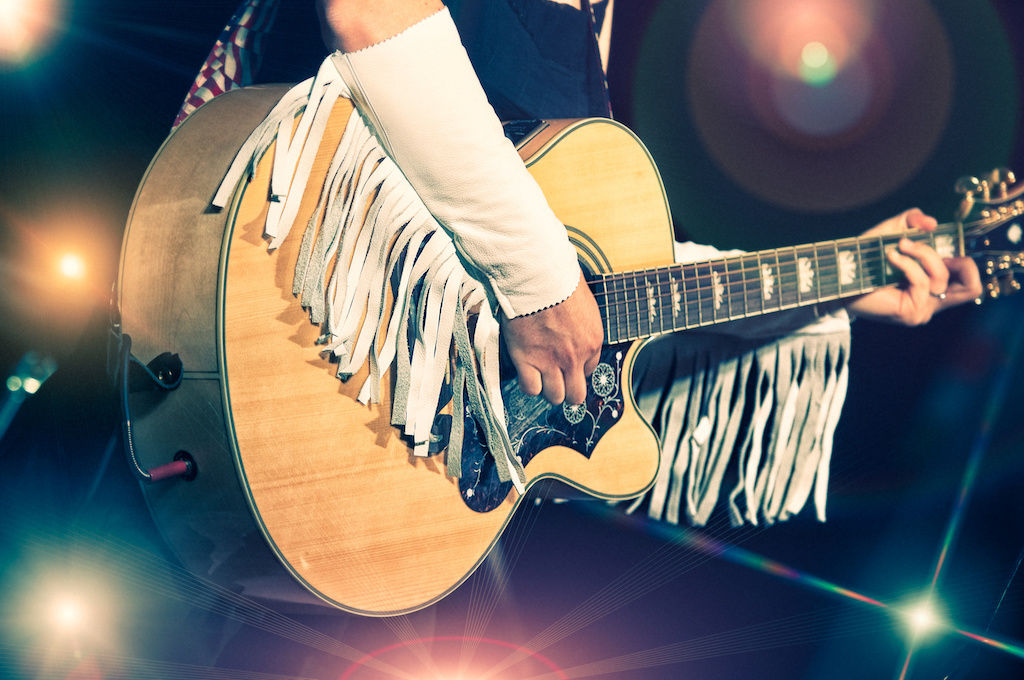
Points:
(67, 613)
(441, 651)
(779, 33)
(27, 29)
(817, 67)
(72, 266)
(922, 618)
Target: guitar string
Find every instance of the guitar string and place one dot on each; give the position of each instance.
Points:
(636, 312)
(735, 288)
(874, 242)
(690, 272)
(873, 247)
(736, 285)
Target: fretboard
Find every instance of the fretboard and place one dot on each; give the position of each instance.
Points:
(647, 302)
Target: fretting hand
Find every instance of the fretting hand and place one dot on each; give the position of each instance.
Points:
(932, 283)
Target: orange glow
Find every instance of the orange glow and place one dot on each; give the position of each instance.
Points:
(27, 27)
(72, 266)
(778, 32)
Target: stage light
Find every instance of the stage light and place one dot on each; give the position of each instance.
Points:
(67, 613)
(922, 618)
(27, 27)
(814, 54)
(817, 67)
(72, 266)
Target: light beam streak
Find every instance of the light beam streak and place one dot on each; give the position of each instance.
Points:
(990, 415)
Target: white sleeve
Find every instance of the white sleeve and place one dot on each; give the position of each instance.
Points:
(419, 92)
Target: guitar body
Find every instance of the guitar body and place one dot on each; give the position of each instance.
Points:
(302, 493)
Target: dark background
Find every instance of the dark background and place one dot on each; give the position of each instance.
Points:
(77, 129)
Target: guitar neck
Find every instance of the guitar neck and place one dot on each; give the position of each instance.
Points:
(648, 302)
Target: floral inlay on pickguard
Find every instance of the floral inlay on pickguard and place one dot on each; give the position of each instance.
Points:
(535, 425)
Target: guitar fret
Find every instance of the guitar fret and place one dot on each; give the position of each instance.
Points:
(711, 294)
(762, 283)
(727, 283)
(743, 282)
(665, 299)
(650, 306)
(635, 289)
(860, 267)
(699, 289)
(601, 296)
(882, 260)
(659, 302)
(610, 317)
(790, 292)
(828, 273)
(679, 288)
(621, 320)
(817, 273)
(781, 287)
(839, 268)
(688, 295)
(622, 299)
(609, 335)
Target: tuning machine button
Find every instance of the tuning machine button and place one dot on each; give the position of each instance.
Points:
(970, 188)
(1002, 178)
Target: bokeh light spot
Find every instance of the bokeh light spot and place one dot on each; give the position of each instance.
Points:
(922, 618)
(27, 29)
(817, 67)
(67, 613)
(72, 266)
(491, 659)
(814, 54)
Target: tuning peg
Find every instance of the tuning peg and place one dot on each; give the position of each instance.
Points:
(968, 186)
(993, 289)
(1002, 178)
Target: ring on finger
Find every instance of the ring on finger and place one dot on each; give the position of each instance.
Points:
(938, 296)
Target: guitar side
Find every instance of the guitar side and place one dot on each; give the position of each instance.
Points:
(330, 487)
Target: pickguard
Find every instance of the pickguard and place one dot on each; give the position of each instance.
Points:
(534, 425)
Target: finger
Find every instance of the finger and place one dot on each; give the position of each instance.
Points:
(930, 261)
(554, 387)
(911, 269)
(916, 293)
(529, 379)
(592, 363)
(916, 219)
(966, 281)
(575, 387)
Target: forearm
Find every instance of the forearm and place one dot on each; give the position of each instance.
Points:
(350, 25)
(419, 92)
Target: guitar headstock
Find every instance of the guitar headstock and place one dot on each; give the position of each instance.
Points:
(992, 215)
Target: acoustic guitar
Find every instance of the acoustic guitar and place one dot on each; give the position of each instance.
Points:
(296, 491)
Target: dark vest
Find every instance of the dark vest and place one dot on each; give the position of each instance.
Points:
(535, 58)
